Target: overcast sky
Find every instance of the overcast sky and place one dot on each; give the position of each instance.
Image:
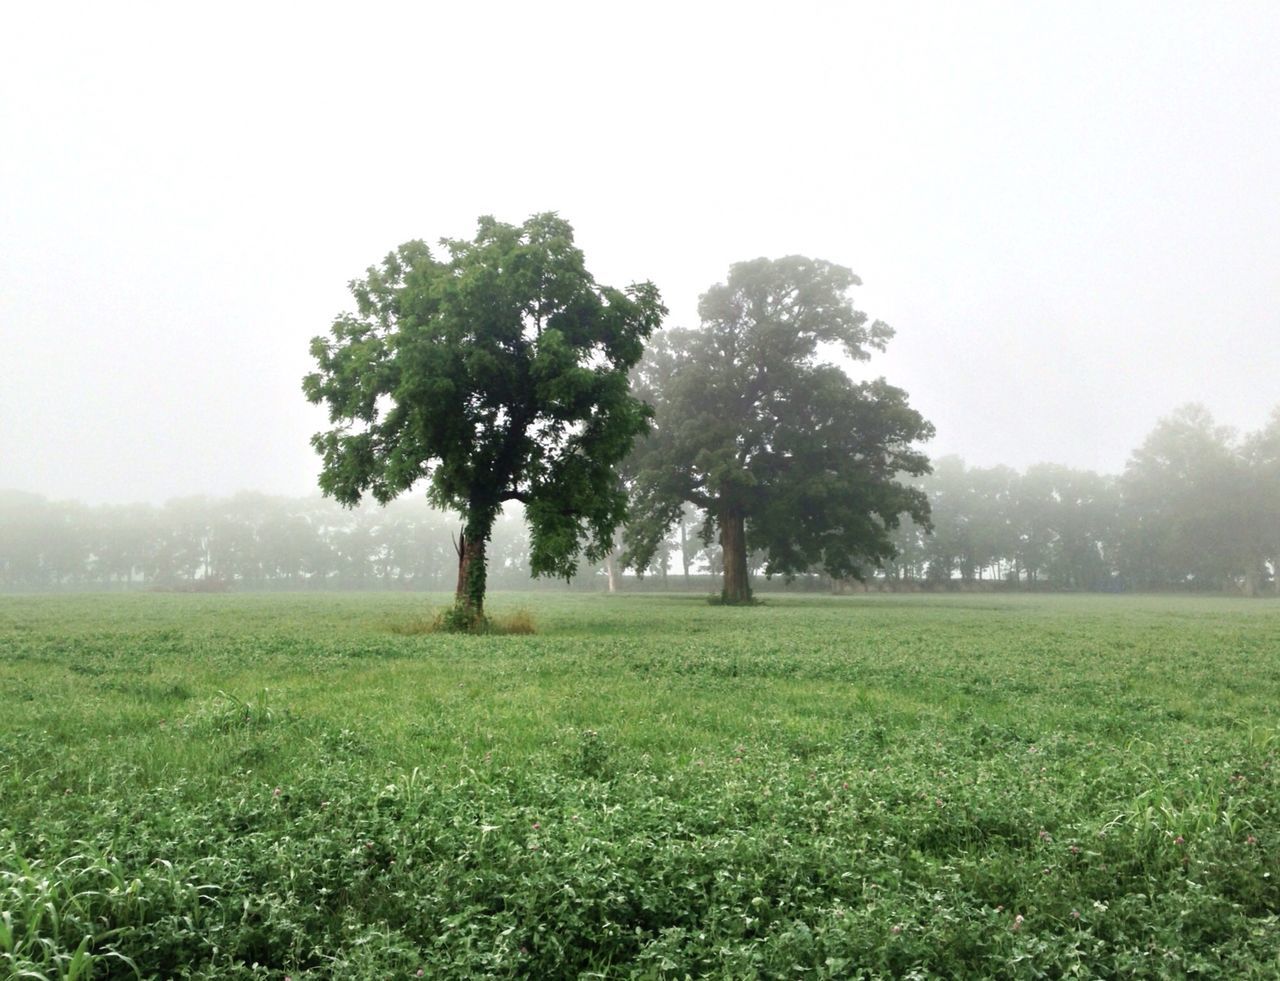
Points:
(1069, 212)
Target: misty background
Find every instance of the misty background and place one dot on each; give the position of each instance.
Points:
(1071, 215)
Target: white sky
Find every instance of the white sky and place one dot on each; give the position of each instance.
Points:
(1070, 212)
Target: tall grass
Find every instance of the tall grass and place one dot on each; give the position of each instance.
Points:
(232, 786)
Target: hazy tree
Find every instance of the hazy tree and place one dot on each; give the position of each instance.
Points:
(1262, 456)
(43, 543)
(509, 548)
(121, 537)
(66, 541)
(285, 545)
(235, 535)
(612, 570)
(179, 541)
(948, 548)
(1050, 524)
(755, 428)
(358, 547)
(910, 545)
(321, 562)
(20, 537)
(1033, 522)
(1074, 517)
(992, 534)
(1184, 493)
(498, 373)
(415, 542)
(690, 540)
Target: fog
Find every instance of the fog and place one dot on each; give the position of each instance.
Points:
(1070, 216)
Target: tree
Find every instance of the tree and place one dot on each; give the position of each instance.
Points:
(1262, 451)
(762, 434)
(1185, 498)
(497, 373)
(949, 547)
(972, 512)
(1072, 514)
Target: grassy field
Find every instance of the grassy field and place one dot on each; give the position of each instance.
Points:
(243, 786)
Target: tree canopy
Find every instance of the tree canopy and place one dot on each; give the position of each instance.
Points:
(497, 372)
(756, 427)
(1188, 488)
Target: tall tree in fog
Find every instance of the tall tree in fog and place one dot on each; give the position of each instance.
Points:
(949, 547)
(768, 438)
(991, 533)
(1188, 519)
(1070, 515)
(497, 373)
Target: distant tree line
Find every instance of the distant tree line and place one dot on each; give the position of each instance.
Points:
(1196, 508)
(248, 540)
(256, 541)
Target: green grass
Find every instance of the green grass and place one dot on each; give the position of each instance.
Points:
(245, 786)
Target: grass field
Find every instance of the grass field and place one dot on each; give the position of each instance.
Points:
(241, 786)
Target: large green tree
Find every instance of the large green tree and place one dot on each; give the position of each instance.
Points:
(758, 428)
(495, 372)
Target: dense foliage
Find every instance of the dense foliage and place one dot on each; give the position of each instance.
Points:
(496, 374)
(240, 786)
(759, 429)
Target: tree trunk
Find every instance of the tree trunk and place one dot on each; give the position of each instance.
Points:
(611, 571)
(469, 595)
(684, 552)
(733, 543)
(1251, 581)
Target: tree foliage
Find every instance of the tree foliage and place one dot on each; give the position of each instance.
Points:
(756, 427)
(1191, 513)
(1197, 508)
(497, 372)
